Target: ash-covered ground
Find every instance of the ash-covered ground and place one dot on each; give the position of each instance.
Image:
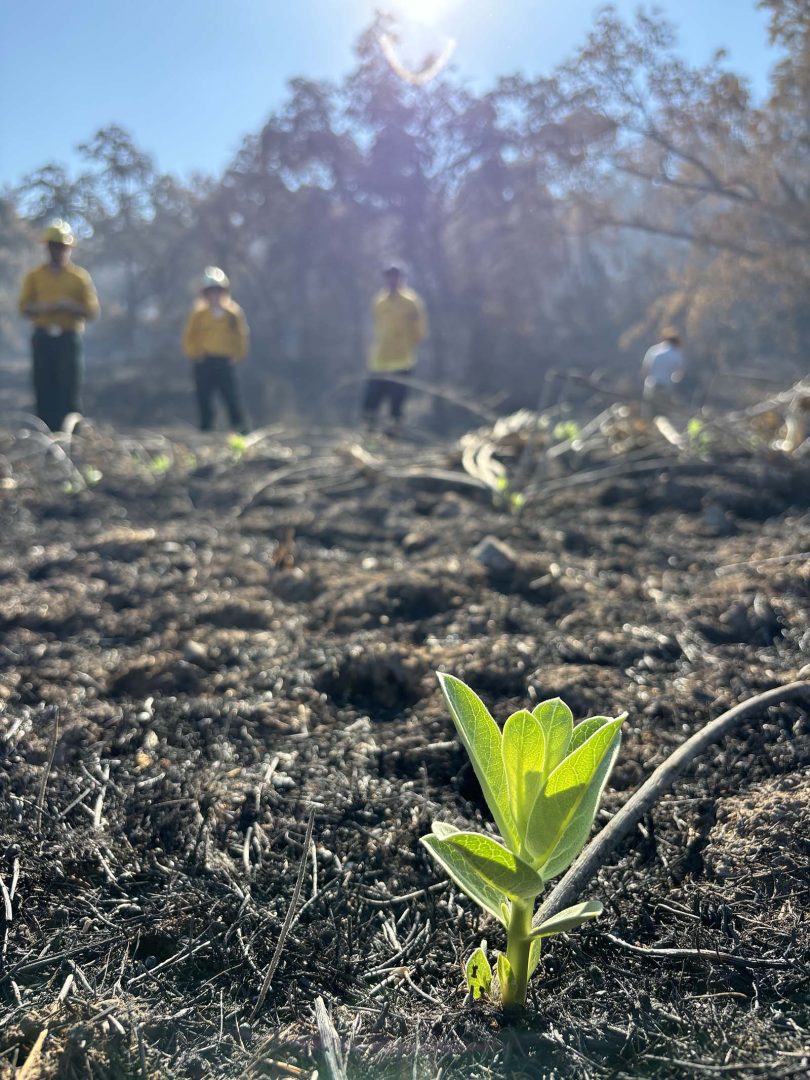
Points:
(204, 643)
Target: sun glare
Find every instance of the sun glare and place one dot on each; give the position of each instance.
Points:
(420, 48)
(426, 12)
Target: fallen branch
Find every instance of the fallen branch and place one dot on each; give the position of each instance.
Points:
(593, 858)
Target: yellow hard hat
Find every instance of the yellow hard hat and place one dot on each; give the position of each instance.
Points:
(214, 278)
(59, 232)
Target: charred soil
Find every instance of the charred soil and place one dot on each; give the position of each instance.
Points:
(203, 644)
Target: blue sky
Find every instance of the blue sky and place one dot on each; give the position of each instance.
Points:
(189, 78)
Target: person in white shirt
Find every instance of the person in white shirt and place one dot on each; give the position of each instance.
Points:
(662, 369)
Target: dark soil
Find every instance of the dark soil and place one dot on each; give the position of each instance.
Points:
(190, 665)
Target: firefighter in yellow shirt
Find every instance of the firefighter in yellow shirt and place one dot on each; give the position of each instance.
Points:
(58, 298)
(400, 324)
(215, 339)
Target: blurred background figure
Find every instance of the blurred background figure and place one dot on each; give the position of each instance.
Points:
(58, 298)
(400, 324)
(215, 339)
(662, 369)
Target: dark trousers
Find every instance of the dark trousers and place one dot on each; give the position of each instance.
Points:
(214, 376)
(379, 390)
(57, 372)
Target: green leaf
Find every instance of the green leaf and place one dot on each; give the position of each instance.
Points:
(490, 899)
(506, 977)
(577, 833)
(471, 858)
(482, 740)
(534, 955)
(443, 830)
(569, 919)
(564, 812)
(557, 723)
(478, 973)
(523, 748)
(586, 728)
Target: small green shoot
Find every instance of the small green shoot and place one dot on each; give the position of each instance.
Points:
(567, 430)
(542, 778)
(478, 973)
(92, 475)
(699, 438)
(238, 445)
(504, 498)
(160, 464)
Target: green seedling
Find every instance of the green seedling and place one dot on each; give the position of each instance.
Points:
(478, 972)
(542, 778)
(699, 438)
(160, 464)
(238, 445)
(92, 475)
(504, 498)
(567, 430)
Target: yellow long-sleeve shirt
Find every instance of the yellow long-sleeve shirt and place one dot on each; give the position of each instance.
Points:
(50, 287)
(209, 333)
(400, 323)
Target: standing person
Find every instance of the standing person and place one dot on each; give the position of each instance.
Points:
(662, 369)
(58, 298)
(215, 339)
(400, 324)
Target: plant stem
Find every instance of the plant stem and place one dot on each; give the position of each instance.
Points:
(518, 945)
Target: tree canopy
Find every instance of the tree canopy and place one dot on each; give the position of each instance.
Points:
(550, 223)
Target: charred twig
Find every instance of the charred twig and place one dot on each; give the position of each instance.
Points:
(99, 806)
(659, 783)
(185, 953)
(736, 1068)
(697, 954)
(9, 917)
(53, 958)
(330, 1040)
(379, 901)
(44, 781)
(593, 476)
(285, 929)
(31, 1066)
(777, 560)
(265, 780)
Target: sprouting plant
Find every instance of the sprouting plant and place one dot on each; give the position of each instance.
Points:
(504, 498)
(567, 430)
(238, 445)
(699, 438)
(160, 464)
(92, 475)
(542, 778)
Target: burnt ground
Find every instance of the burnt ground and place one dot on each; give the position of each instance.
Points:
(191, 665)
